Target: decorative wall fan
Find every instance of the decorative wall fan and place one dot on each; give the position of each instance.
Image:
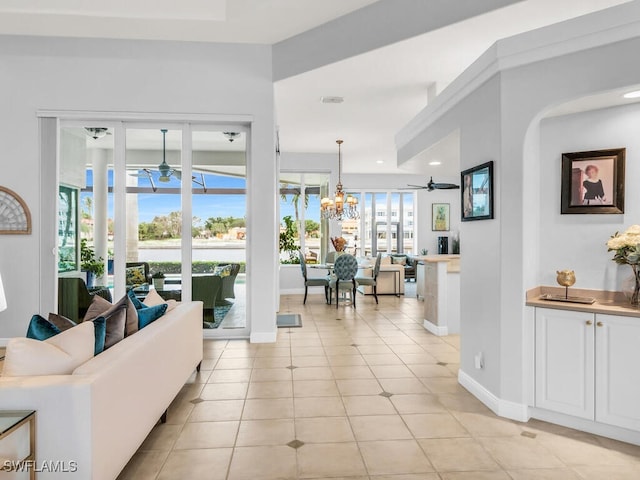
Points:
(431, 185)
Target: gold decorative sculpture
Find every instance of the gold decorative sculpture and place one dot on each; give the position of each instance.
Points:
(566, 278)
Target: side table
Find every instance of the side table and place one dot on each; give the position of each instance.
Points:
(18, 443)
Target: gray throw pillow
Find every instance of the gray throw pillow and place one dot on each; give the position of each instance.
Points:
(115, 316)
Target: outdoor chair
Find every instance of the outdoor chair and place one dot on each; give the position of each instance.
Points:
(206, 288)
(344, 270)
(228, 272)
(372, 280)
(74, 297)
(313, 282)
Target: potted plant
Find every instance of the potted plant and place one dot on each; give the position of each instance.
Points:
(158, 280)
(89, 263)
(287, 241)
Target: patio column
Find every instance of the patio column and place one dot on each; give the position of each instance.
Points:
(98, 158)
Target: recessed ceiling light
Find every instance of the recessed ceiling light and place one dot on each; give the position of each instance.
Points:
(331, 99)
(435, 162)
(379, 161)
(635, 94)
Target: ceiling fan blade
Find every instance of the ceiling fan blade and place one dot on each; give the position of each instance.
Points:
(445, 186)
(415, 186)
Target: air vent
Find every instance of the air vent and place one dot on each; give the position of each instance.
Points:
(331, 99)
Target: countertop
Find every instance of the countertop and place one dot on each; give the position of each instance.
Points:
(607, 302)
(452, 260)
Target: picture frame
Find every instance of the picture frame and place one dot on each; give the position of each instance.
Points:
(593, 182)
(477, 192)
(15, 217)
(440, 217)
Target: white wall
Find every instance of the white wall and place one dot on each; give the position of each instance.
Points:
(577, 242)
(131, 76)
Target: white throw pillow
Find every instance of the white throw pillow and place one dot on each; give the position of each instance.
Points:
(58, 355)
(153, 298)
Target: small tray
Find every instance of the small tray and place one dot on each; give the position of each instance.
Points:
(562, 298)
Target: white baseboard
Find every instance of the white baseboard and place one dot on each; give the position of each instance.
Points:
(294, 291)
(503, 408)
(435, 329)
(4, 341)
(263, 337)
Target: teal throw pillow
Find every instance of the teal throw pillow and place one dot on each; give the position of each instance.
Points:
(40, 328)
(147, 315)
(136, 303)
(100, 332)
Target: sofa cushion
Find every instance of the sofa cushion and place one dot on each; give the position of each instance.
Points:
(399, 260)
(223, 271)
(40, 328)
(147, 315)
(115, 316)
(135, 276)
(60, 321)
(60, 354)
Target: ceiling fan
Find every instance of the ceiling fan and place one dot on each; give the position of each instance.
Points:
(431, 185)
(97, 132)
(166, 170)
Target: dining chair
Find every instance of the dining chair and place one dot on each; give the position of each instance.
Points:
(312, 282)
(344, 272)
(371, 280)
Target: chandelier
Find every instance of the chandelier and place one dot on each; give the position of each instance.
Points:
(340, 208)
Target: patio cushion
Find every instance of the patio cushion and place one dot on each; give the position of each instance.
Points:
(135, 275)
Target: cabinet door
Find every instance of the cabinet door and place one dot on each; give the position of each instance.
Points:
(565, 362)
(618, 371)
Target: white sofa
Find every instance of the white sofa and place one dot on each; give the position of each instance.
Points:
(99, 415)
(390, 279)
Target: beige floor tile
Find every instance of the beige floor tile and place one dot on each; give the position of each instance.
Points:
(270, 389)
(224, 391)
(210, 464)
(359, 387)
(411, 348)
(178, 412)
(417, 403)
(270, 375)
(230, 376)
(374, 349)
(272, 362)
(457, 454)
(345, 460)
(310, 361)
(319, 407)
(313, 373)
(265, 432)
(306, 351)
(144, 465)
(207, 435)
(368, 405)
(382, 359)
(352, 371)
(162, 437)
(315, 388)
(394, 457)
(544, 474)
(379, 427)
(462, 402)
(584, 449)
(217, 411)
(345, 360)
(607, 472)
(407, 476)
(487, 424)
(239, 353)
(514, 453)
(324, 430)
(443, 385)
(263, 463)
(273, 352)
(234, 363)
(267, 408)
(429, 371)
(196, 377)
(338, 350)
(495, 475)
(434, 425)
(422, 358)
(392, 371)
(399, 386)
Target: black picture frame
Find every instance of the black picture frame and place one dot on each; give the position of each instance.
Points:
(593, 182)
(477, 192)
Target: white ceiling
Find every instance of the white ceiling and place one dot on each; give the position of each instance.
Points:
(383, 89)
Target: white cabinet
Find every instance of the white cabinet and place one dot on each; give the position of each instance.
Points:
(618, 371)
(587, 366)
(565, 362)
(420, 280)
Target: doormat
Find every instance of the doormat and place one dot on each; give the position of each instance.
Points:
(286, 320)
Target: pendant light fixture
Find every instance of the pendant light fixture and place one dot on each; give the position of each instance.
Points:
(341, 207)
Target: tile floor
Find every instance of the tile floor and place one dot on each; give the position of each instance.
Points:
(362, 394)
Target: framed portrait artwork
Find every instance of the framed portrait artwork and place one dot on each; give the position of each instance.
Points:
(440, 217)
(593, 182)
(477, 192)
